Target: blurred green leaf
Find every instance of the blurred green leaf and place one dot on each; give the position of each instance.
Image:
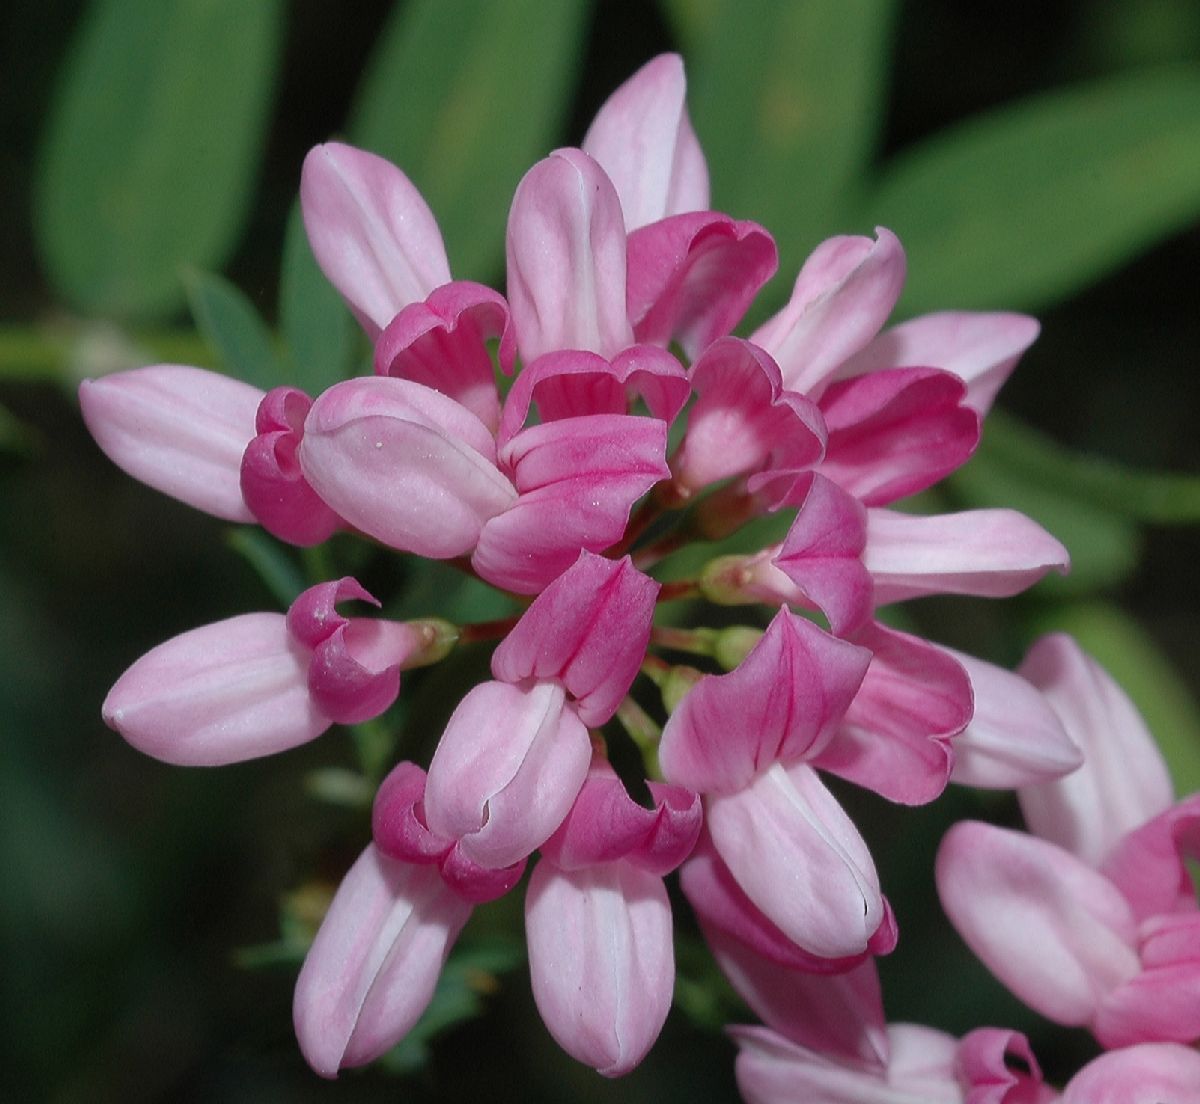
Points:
(1154, 497)
(152, 147)
(464, 97)
(270, 560)
(318, 329)
(1130, 655)
(788, 100)
(1104, 547)
(232, 326)
(16, 436)
(1030, 203)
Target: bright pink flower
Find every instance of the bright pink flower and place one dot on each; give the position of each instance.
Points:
(420, 472)
(262, 682)
(598, 922)
(372, 968)
(179, 430)
(744, 421)
(588, 630)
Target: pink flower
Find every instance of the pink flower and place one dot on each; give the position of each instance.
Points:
(744, 740)
(373, 965)
(262, 682)
(598, 922)
(1108, 936)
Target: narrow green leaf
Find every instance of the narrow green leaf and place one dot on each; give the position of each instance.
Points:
(464, 97)
(1124, 648)
(1154, 497)
(152, 147)
(1026, 205)
(318, 329)
(788, 101)
(233, 328)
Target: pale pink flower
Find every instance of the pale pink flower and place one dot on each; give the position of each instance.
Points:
(1107, 933)
(264, 682)
(598, 922)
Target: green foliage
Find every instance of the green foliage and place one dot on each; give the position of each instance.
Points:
(1024, 206)
(152, 148)
(787, 100)
(464, 97)
(240, 338)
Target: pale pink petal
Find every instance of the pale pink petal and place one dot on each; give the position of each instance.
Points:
(643, 139)
(894, 433)
(272, 483)
(179, 430)
(821, 555)
(587, 630)
(442, 343)
(1152, 1073)
(566, 259)
(997, 1066)
(772, 1070)
(1014, 738)
(601, 960)
(371, 232)
(1148, 865)
(784, 701)
(895, 738)
(988, 553)
(1123, 781)
(506, 771)
(578, 479)
(729, 917)
(571, 383)
(980, 348)
(800, 859)
(842, 297)
(691, 277)
(234, 690)
(372, 968)
(404, 464)
(1057, 933)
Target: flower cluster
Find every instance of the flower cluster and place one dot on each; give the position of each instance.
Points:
(623, 289)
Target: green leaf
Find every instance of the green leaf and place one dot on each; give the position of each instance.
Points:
(464, 97)
(1023, 206)
(318, 329)
(232, 326)
(1154, 497)
(152, 147)
(788, 101)
(1123, 647)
